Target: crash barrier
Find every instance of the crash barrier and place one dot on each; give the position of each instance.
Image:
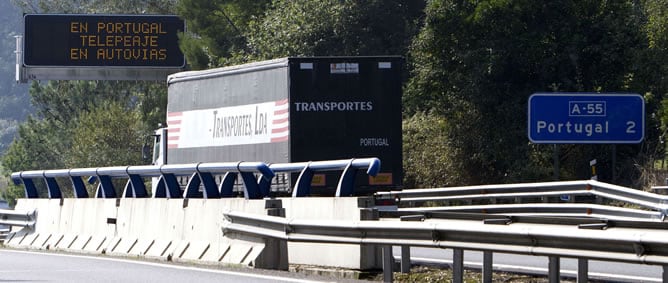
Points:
(179, 230)
(187, 230)
(307, 169)
(17, 218)
(593, 238)
(4, 232)
(608, 205)
(546, 198)
(256, 178)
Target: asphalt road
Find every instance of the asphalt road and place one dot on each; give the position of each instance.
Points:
(22, 266)
(25, 266)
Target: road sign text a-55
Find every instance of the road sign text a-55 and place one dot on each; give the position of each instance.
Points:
(586, 118)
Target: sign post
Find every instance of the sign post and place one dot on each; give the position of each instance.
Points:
(585, 118)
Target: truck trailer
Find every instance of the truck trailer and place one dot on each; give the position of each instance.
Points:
(289, 110)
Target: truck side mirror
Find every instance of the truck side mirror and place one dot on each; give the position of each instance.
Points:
(146, 152)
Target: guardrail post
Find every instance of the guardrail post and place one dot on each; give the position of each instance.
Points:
(53, 188)
(168, 187)
(665, 274)
(251, 188)
(275, 253)
(388, 262)
(457, 265)
(303, 186)
(161, 188)
(553, 269)
(209, 184)
(369, 213)
(367, 210)
(264, 185)
(583, 270)
(28, 186)
(135, 187)
(406, 250)
(79, 187)
(405, 259)
(347, 181)
(106, 188)
(487, 266)
(227, 185)
(192, 188)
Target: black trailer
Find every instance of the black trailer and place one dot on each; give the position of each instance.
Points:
(291, 110)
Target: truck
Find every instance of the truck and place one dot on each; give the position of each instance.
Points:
(287, 110)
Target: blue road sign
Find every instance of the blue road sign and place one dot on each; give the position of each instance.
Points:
(586, 118)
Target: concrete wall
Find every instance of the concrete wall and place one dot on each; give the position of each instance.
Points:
(334, 255)
(186, 230)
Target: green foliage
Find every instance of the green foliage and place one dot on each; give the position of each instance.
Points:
(13, 192)
(40, 145)
(110, 135)
(655, 67)
(335, 28)
(427, 153)
(62, 106)
(216, 29)
(478, 62)
(473, 65)
(87, 123)
(657, 23)
(98, 6)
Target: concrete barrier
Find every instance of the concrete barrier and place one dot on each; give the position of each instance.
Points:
(187, 230)
(169, 229)
(330, 255)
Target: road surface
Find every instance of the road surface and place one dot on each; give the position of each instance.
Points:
(23, 266)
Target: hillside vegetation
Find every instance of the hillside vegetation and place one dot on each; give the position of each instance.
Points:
(471, 66)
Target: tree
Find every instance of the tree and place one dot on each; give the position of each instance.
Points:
(225, 32)
(335, 28)
(425, 165)
(98, 6)
(113, 134)
(216, 29)
(37, 147)
(655, 69)
(476, 63)
(87, 123)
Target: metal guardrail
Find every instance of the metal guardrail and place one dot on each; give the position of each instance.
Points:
(168, 185)
(549, 209)
(633, 245)
(307, 170)
(3, 234)
(635, 234)
(256, 178)
(11, 217)
(587, 240)
(644, 205)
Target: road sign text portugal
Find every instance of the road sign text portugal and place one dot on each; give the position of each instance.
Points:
(586, 118)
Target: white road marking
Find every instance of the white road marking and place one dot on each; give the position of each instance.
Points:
(164, 265)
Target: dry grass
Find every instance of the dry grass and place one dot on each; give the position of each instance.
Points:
(427, 274)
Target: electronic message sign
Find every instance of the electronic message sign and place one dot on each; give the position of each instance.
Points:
(586, 118)
(127, 41)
